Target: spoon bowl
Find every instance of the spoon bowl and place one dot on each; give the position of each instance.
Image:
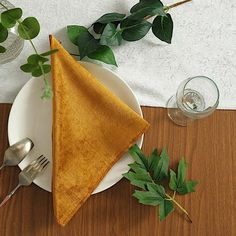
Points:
(17, 152)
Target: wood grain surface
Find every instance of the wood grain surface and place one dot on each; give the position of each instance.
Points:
(209, 145)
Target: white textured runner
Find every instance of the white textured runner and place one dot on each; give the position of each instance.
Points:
(204, 43)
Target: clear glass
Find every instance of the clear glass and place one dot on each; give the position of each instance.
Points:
(14, 44)
(196, 98)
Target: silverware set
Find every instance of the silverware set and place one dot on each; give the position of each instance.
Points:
(14, 155)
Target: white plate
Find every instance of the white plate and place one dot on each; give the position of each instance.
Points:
(31, 117)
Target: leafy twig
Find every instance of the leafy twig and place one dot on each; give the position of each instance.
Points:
(111, 29)
(28, 29)
(148, 173)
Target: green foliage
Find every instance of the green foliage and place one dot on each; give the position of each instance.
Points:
(94, 42)
(133, 30)
(165, 208)
(146, 3)
(73, 32)
(110, 17)
(104, 54)
(150, 175)
(162, 28)
(10, 17)
(178, 183)
(112, 29)
(2, 49)
(110, 36)
(36, 64)
(3, 33)
(147, 11)
(29, 28)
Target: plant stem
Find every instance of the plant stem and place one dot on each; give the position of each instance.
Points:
(174, 195)
(26, 33)
(167, 8)
(180, 207)
(77, 55)
(3, 6)
(177, 4)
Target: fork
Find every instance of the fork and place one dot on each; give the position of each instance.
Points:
(28, 174)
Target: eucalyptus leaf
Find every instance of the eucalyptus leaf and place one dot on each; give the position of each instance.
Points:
(110, 36)
(133, 30)
(165, 208)
(103, 54)
(74, 31)
(98, 27)
(2, 49)
(9, 17)
(3, 33)
(162, 28)
(147, 11)
(46, 68)
(27, 68)
(35, 59)
(87, 44)
(29, 28)
(110, 17)
(37, 72)
(146, 3)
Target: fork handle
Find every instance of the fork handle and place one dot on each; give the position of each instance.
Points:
(9, 195)
(2, 166)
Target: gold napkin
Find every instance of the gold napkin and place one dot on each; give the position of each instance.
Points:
(92, 129)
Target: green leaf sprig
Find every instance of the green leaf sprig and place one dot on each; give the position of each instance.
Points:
(113, 28)
(28, 29)
(151, 173)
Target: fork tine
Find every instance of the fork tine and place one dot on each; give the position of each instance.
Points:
(44, 165)
(35, 161)
(39, 168)
(39, 164)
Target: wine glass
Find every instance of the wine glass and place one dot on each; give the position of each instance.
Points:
(196, 98)
(13, 44)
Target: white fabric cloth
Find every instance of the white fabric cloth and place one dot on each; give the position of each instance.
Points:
(204, 43)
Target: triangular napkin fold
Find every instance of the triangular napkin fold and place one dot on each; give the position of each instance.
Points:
(92, 129)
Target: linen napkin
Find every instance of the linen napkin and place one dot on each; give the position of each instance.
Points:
(92, 129)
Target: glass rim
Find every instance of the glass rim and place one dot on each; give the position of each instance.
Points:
(212, 81)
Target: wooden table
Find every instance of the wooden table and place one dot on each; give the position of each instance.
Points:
(209, 146)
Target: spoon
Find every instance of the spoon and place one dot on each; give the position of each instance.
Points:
(17, 152)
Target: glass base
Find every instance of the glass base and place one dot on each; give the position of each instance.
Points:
(175, 114)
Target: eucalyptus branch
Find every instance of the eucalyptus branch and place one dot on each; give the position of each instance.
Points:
(112, 29)
(28, 29)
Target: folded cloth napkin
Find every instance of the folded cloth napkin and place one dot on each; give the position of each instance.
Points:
(92, 129)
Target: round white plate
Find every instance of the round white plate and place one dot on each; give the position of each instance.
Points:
(31, 117)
